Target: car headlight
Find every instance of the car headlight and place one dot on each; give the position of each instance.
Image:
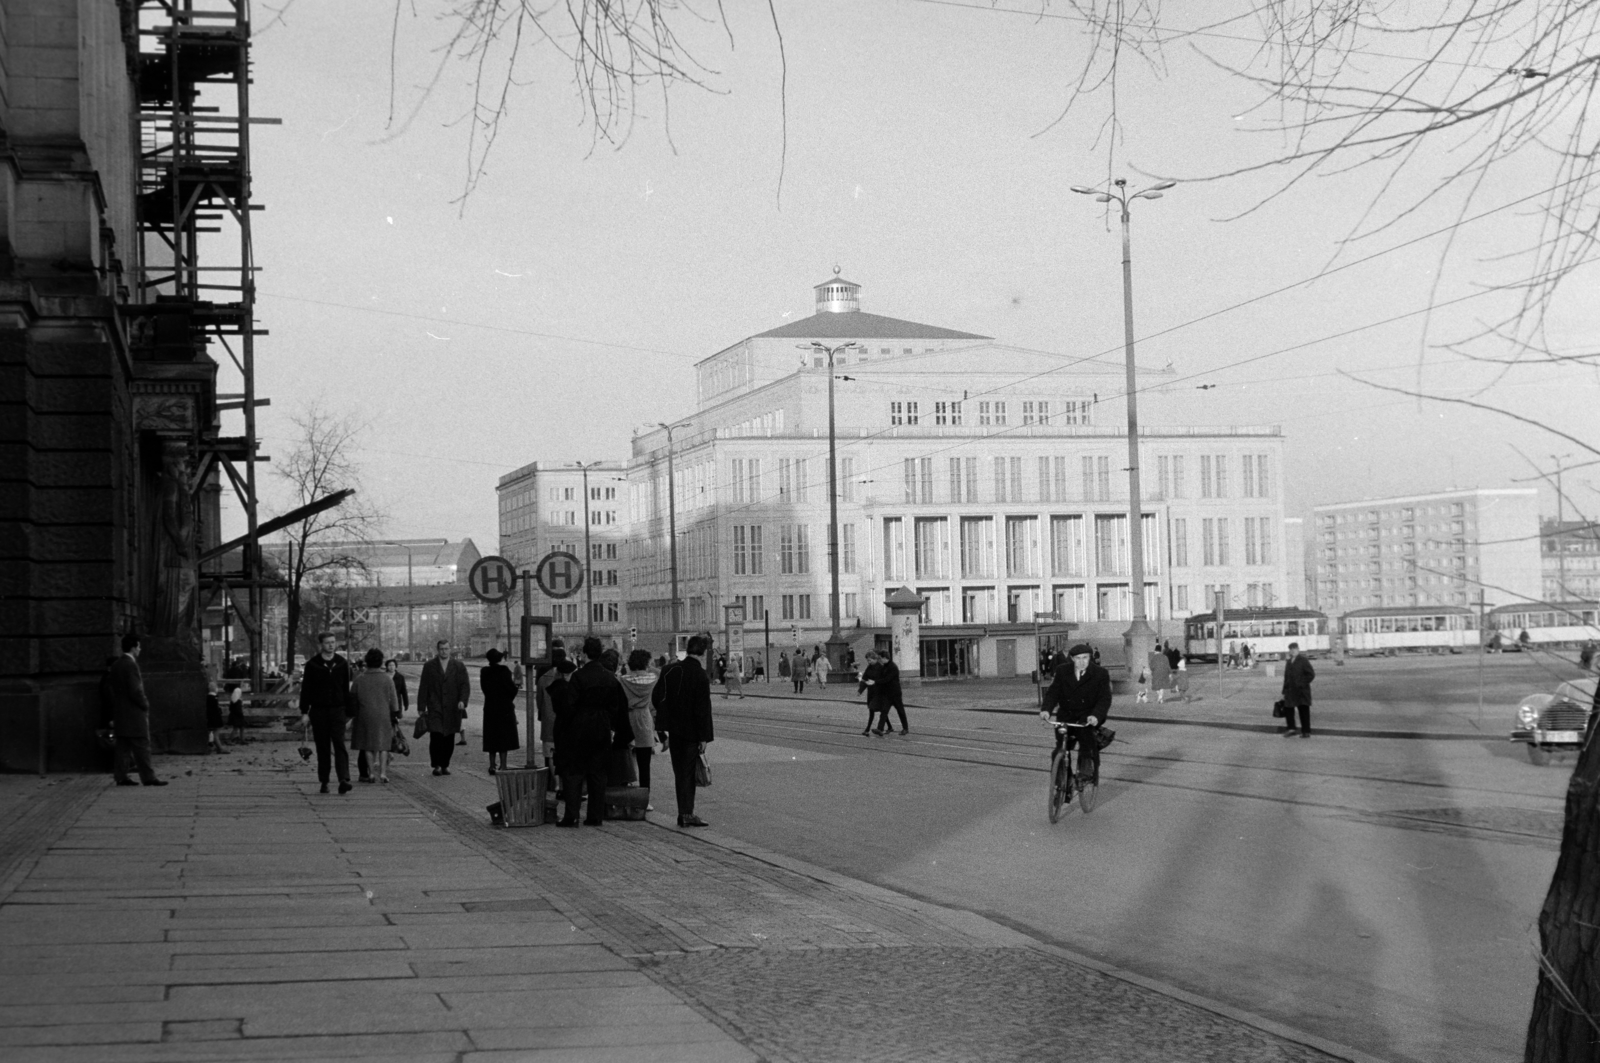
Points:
(1527, 715)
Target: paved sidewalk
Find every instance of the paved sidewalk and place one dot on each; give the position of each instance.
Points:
(239, 914)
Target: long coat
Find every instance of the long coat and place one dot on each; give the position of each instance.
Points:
(376, 708)
(129, 706)
(439, 692)
(684, 709)
(872, 682)
(1075, 698)
(499, 709)
(1297, 677)
(590, 719)
(889, 680)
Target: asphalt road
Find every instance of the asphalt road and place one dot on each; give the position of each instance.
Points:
(1379, 892)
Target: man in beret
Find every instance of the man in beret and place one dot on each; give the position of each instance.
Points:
(1080, 695)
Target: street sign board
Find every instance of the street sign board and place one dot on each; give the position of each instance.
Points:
(735, 641)
(492, 579)
(559, 574)
(536, 640)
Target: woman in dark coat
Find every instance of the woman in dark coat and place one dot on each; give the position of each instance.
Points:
(871, 682)
(499, 688)
(392, 666)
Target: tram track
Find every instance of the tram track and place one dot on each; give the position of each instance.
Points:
(966, 746)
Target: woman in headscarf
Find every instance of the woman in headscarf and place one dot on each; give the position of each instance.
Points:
(499, 688)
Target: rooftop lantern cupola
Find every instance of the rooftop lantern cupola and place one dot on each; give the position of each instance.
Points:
(838, 296)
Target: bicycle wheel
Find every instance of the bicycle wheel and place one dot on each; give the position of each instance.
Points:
(1060, 783)
(1088, 783)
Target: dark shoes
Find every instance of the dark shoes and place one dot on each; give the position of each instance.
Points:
(155, 782)
(566, 823)
(594, 823)
(436, 771)
(126, 782)
(324, 787)
(345, 787)
(444, 771)
(867, 731)
(692, 821)
(1291, 731)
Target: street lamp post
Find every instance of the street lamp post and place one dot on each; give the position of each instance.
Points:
(588, 551)
(836, 641)
(1139, 639)
(411, 649)
(672, 522)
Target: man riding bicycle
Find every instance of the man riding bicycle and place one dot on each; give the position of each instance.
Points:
(1080, 698)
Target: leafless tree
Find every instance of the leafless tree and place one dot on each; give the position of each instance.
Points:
(321, 463)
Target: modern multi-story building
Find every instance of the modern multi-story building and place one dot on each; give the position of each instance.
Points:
(1569, 553)
(989, 479)
(543, 509)
(1433, 549)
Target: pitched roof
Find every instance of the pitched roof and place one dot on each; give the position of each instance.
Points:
(858, 324)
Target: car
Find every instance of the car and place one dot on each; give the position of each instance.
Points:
(1551, 723)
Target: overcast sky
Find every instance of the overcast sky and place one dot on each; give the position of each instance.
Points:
(566, 302)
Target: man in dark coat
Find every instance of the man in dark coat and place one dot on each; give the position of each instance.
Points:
(893, 698)
(683, 711)
(129, 710)
(324, 703)
(442, 695)
(591, 717)
(1297, 677)
(871, 682)
(1080, 694)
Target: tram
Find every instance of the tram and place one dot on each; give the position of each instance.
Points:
(1549, 624)
(1268, 632)
(1409, 629)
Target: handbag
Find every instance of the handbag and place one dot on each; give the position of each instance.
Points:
(702, 771)
(1104, 736)
(421, 728)
(399, 745)
(1278, 709)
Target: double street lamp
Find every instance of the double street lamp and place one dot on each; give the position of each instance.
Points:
(836, 642)
(1139, 639)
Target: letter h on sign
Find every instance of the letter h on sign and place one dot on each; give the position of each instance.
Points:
(560, 571)
(492, 582)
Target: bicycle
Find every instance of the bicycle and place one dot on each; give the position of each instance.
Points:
(1064, 782)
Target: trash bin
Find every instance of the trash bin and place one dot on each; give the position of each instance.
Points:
(522, 794)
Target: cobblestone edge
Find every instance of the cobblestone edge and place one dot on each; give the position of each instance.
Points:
(39, 821)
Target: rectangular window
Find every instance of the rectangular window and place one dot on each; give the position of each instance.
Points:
(941, 413)
(1163, 477)
(1102, 482)
(931, 545)
(1088, 479)
(755, 549)
(1249, 538)
(897, 413)
(955, 413)
(740, 551)
(970, 466)
(1248, 463)
(1016, 479)
(894, 548)
(753, 470)
(955, 480)
(799, 479)
(925, 480)
(847, 479)
(805, 607)
(1180, 598)
(1022, 546)
(1177, 476)
(1044, 413)
(1208, 539)
(977, 546)
(1205, 476)
(1180, 542)
(599, 610)
(908, 475)
(1027, 413)
(802, 549)
(1044, 480)
(847, 548)
(1222, 541)
(1266, 539)
(1111, 545)
(911, 413)
(985, 416)
(758, 606)
(999, 413)
(1000, 479)
(786, 549)
(1067, 555)
(785, 480)
(850, 604)
(1263, 490)
(1221, 470)
(611, 611)
(787, 607)
(738, 480)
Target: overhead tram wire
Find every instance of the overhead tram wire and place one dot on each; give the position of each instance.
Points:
(1165, 383)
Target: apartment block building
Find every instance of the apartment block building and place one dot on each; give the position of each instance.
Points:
(1569, 552)
(545, 508)
(1432, 549)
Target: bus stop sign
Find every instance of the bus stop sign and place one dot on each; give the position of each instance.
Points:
(559, 574)
(492, 579)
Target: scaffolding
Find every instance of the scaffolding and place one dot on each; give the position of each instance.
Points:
(197, 265)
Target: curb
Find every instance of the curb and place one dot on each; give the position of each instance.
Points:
(992, 933)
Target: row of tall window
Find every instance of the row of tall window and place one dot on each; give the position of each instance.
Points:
(991, 413)
(979, 547)
(1215, 481)
(794, 549)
